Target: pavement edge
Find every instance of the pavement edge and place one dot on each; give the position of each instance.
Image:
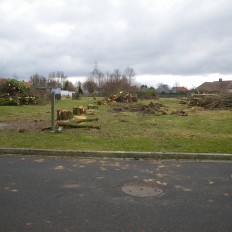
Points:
(117, 154)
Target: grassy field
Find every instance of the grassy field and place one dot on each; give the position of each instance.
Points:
(200, 131)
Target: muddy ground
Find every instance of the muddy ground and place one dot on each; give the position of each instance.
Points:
(23, 126)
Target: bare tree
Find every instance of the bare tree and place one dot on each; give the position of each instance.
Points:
(98, 77)
(109, 83)
(90, 85)
(57, 77)
(68, 86)
(163, 88)
(130, 74)
(38, 80)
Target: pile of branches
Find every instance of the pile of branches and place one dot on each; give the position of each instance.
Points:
(122, 97)
(13, 92)
(6, 100)
(209, 101)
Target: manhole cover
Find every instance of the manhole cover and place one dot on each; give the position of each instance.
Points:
(141, 189)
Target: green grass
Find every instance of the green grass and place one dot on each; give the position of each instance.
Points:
(200, 131)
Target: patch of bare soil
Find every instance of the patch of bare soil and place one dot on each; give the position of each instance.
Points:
(3, 125)
(26, 126)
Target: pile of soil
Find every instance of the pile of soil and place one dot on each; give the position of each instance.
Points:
(151, 108)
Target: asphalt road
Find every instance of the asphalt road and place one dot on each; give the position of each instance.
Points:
(67, 194)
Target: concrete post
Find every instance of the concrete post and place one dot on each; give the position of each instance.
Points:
(53, 112)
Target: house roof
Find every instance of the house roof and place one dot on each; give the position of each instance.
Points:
(27, 84)
(215, 86)
(229, 85)
(2, 80)
(181, 89)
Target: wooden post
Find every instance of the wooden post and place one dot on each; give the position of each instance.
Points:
(53, 112)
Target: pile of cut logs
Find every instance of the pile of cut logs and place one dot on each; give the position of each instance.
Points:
(209, 101)
(119, 97)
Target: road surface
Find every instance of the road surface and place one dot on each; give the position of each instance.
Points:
(75, 194)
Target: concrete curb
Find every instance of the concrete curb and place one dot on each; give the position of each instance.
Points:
(117, 154)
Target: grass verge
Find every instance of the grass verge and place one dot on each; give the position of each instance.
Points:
(200, 131)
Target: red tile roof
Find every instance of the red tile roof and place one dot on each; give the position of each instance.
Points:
(2, 81)
(27, 84)
(181, 89)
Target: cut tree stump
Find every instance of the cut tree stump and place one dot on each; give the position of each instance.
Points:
(78, 110)
(64, 115)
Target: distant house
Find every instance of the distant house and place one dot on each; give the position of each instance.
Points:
(67, 93)
(41, 91)
(179, 90)
(219, 86)
(2, 81)
(28, 84)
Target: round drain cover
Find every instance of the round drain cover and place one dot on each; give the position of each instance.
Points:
(141, 189)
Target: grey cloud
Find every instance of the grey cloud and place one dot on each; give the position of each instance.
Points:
(190, 37)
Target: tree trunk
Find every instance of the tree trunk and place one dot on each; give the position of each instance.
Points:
(75, 125)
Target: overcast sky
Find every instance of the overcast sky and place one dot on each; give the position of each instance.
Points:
(165, 41)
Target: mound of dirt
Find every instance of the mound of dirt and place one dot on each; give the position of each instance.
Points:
(151, 108)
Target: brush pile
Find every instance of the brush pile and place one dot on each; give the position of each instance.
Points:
(6, 100)
(209, 101)
(13, 92)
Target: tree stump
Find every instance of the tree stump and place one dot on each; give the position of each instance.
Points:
(64, 115)
(78, 110)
